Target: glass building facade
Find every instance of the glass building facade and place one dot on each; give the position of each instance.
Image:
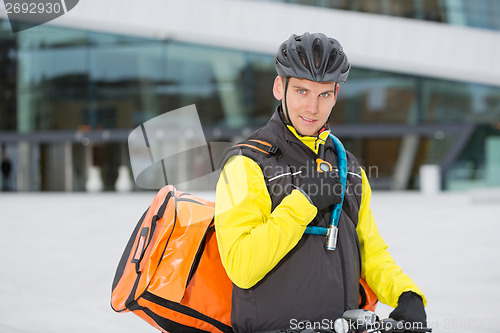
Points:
(69, 98)
(483, 14)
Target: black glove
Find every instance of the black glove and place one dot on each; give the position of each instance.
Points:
(410, 309)
(322, 188)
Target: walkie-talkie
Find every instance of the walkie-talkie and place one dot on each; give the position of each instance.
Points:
(321, 164)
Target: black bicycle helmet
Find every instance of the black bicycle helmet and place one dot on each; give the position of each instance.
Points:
(314, 57)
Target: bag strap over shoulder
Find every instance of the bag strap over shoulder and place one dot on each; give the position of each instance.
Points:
(262, 146)
(257, 146)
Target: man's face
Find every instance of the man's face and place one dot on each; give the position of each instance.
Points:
(309, 103)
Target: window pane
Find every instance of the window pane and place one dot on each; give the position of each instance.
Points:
(125, 81)
(371, 96)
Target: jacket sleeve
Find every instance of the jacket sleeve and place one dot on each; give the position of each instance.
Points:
(252, 239)
(379, 270)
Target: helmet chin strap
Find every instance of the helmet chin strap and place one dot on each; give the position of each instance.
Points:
(286, 107)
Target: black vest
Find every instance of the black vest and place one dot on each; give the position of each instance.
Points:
(310, 282)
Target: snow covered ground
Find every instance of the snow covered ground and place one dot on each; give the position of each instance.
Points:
(59, 252)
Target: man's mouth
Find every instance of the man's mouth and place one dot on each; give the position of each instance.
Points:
(307, 119)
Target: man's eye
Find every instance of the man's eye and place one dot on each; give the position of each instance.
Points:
(301, 91)
(325, 94)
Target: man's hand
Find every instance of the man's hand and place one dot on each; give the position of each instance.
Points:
(322, 188)
(410, 309)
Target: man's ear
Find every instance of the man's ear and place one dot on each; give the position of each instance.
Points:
(278, 88)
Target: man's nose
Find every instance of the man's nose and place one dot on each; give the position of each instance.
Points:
(312, 105)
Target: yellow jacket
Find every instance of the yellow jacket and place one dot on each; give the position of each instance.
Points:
(253, 239)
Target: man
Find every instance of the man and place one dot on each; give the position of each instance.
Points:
(6, 168)
(266, 198)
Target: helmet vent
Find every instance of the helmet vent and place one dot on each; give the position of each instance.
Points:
(317, 53)
(284, 51)
(331, 60)
(302, 56)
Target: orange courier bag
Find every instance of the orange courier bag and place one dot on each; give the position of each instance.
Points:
(171, 274)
